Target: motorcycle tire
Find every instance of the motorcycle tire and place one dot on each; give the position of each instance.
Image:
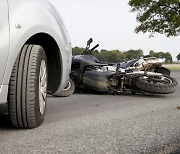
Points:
(165, 85)
(68, 90)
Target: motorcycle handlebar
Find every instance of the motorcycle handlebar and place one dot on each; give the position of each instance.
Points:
(95, 47)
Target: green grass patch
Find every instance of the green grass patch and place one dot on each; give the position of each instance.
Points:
(172, 66)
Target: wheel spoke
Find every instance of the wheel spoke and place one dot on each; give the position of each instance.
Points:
(42, 86)
(44, 97)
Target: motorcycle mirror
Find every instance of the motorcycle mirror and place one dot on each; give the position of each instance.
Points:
(89, 41)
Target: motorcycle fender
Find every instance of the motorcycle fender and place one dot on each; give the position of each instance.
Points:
(163, 70)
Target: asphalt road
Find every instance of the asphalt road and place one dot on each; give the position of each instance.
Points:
(100, 124)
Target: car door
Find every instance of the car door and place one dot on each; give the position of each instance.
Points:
(4, 36)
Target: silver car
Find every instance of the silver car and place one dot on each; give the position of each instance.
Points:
(35, 58)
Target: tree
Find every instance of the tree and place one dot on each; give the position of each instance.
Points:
(116, 56)
(77, 50)
(133, 54)
(166, 55)
(161, 16)
(112, 56)
(178, 57)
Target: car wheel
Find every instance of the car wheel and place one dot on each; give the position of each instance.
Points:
(28, 88)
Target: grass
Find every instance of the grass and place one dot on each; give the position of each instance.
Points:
(172, 66)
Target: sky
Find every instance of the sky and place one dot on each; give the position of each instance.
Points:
(111, 25)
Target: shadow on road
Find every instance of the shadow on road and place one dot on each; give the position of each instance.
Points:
(144, 95)
(4, 117)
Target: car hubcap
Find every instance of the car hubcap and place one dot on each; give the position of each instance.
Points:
(42, 87)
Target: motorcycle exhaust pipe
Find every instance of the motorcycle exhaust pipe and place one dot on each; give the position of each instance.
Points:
(144, 73)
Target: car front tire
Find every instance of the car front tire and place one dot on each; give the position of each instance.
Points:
(27, 95)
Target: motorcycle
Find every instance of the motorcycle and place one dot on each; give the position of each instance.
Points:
(144, 75)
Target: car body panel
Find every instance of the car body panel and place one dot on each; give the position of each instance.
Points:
(30, 17)
(4, 45)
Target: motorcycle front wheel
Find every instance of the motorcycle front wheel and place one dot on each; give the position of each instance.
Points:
(68, 90)
(157, 85)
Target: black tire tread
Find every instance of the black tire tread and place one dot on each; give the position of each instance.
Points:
(66, 93)
(157, 88)
(21, 100)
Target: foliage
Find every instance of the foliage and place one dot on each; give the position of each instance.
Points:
(114, 56)
(77, 51)
(178, 57)
(166, 55)
(161, 16)
(134, 54)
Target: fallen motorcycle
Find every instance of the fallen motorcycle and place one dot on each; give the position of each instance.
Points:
(144, 75)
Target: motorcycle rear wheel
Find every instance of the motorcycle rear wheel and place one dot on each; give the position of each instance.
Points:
(157, 85)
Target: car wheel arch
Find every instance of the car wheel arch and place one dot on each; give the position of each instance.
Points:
(54, 59)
